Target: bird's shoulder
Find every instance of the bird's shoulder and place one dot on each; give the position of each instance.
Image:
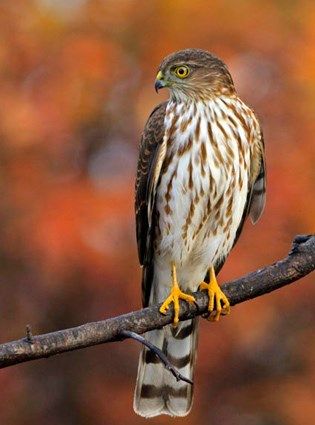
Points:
(151, 137)
(154, 128)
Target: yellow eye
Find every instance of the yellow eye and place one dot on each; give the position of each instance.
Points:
(181, 71)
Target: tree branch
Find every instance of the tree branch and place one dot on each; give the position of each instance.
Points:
(299, 262)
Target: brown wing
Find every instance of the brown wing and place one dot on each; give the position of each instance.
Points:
(151, 155)
(257, 198)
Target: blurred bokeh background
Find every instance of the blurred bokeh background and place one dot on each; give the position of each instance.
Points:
(76, 87)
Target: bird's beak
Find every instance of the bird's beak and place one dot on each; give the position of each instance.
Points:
(159, 81)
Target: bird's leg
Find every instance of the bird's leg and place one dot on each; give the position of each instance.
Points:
(174, 297)
(218, 302)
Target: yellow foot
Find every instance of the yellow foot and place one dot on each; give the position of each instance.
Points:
(218, 302)
(174, 297)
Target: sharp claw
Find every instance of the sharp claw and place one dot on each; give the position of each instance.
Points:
(214, 316)
(174, 297)
(218, 302)
(211, 301)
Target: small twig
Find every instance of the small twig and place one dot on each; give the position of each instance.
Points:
(159, 354)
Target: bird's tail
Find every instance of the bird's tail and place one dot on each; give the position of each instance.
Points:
(157, 391)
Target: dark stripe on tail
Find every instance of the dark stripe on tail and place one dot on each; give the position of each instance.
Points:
(183, 332)
(179, 362)
(149, 357)
(151, 391)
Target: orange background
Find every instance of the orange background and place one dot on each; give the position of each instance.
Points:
(76, 88)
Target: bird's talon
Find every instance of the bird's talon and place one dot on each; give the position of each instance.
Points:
(218, 302)
(174, 297)
(214, 317)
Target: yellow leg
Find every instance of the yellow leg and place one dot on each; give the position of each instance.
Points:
(216, 298)
(174, 297)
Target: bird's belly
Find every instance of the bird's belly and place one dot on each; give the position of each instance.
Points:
(200, 206)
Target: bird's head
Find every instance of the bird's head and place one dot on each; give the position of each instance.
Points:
(194, 73)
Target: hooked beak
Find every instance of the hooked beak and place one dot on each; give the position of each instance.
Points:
(159, 81)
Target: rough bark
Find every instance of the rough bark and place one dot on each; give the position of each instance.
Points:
(299, 262)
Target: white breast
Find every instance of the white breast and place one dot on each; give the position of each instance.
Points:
(202, 194)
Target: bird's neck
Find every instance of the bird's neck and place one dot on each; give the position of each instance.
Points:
(201, 94)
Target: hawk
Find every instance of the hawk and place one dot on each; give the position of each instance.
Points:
(201, 172)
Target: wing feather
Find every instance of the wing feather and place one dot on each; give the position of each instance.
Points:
(256, 196)
(151, 155)
(258, 191)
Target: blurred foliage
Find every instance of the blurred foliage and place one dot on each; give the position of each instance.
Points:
(76, 88)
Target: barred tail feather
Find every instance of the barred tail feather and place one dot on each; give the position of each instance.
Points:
(157, 391)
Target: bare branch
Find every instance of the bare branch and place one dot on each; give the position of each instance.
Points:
(299, 262)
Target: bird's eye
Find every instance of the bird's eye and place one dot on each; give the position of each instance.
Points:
(181, 71)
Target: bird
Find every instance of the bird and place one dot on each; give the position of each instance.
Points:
(200, 174)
